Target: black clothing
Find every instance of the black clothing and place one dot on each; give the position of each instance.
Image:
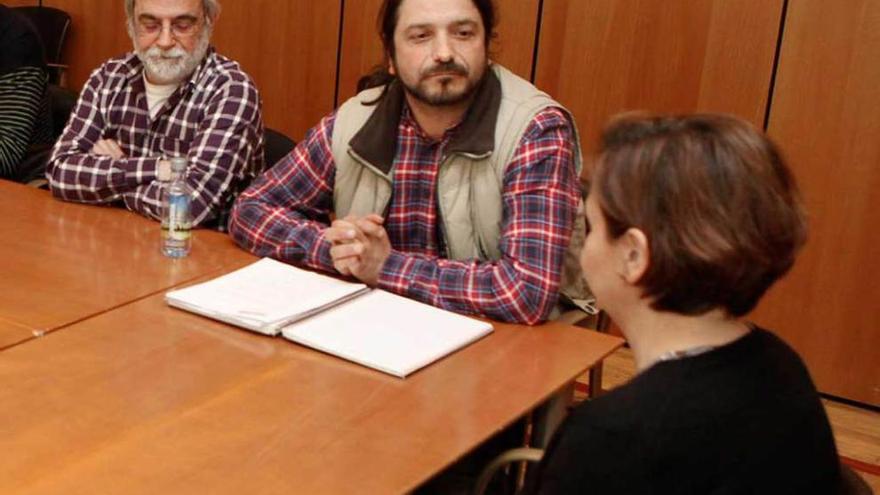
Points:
(742, 418)
(25, 119)
(21, 45)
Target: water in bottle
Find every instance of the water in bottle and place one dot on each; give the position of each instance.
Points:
(176, 215)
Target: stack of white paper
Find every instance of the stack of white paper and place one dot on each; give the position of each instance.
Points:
(264, 296)
(374, 328)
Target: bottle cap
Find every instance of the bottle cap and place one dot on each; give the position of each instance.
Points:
(178, 164)
(163, 172)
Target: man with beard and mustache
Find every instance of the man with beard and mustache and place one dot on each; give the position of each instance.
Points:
(173, 96)
(453, 182)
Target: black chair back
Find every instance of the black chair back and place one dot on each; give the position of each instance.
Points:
(277, 146)
(61, 103)
(52, 25)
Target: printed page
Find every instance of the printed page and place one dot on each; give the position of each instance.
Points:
(264, 296)
(387, 332)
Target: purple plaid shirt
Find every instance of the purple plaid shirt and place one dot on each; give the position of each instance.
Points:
(285, 212)
(214, 119)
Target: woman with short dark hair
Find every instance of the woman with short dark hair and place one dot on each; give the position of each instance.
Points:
(691, 220)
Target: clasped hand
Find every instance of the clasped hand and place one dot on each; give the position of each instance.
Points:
(360, 247)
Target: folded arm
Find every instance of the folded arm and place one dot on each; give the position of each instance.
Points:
(75, 173)
(225, 147)
(222, 151)
(285, 212)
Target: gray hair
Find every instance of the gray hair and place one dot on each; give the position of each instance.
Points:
(211, 8)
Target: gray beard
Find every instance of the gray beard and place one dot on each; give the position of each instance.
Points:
(175, 65)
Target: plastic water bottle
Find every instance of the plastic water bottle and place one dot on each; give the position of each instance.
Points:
(176, 215)
(163, 177)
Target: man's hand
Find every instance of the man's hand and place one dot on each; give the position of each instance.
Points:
(346, 246)
(108, 147)
(360, 247)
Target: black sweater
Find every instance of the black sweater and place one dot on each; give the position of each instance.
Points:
(743, 418)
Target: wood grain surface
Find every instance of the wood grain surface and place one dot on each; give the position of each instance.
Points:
(165, 401)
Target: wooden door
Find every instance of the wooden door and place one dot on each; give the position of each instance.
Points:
(601, 57)
(362, 47)
(825, 115)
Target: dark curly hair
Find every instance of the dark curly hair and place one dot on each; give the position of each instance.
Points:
(387, 23)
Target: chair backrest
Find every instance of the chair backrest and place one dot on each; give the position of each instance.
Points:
(525, 454)
(52, 25)
(277, 146)
(61, 103)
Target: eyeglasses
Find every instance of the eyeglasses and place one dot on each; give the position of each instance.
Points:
(181, 27)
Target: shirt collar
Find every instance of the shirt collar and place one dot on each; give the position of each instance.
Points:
(408, 120)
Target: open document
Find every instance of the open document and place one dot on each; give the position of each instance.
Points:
(373, 328)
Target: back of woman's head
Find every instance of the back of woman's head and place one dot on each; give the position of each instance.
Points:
(718, 205)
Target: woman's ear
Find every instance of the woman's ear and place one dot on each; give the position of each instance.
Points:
(635, 255)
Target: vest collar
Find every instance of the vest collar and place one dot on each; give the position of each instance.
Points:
(376, 141)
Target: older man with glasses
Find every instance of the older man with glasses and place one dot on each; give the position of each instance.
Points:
(173, 96)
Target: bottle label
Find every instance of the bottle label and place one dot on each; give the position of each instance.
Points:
(179, 224)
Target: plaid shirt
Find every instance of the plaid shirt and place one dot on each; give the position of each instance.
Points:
(285, 212)
(214, 119)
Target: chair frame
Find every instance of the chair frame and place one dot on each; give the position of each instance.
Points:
(53, 59)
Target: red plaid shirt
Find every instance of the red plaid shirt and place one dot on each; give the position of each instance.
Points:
(285, 212)
(214, 119)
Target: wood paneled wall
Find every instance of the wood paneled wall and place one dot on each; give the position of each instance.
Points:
(97, 33)
(361, 49)
(826, 117)
(602, 57)
(289, 47)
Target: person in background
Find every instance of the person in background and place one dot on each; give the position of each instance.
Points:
(691, 220)
(173, 96)
(453, 181)
(25, 122)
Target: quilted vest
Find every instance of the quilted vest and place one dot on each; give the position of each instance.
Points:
(470, 177)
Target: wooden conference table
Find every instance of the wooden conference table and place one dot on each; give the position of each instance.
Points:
(64, 262)
(132, 396)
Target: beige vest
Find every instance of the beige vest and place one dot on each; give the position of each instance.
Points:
(469, 184)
